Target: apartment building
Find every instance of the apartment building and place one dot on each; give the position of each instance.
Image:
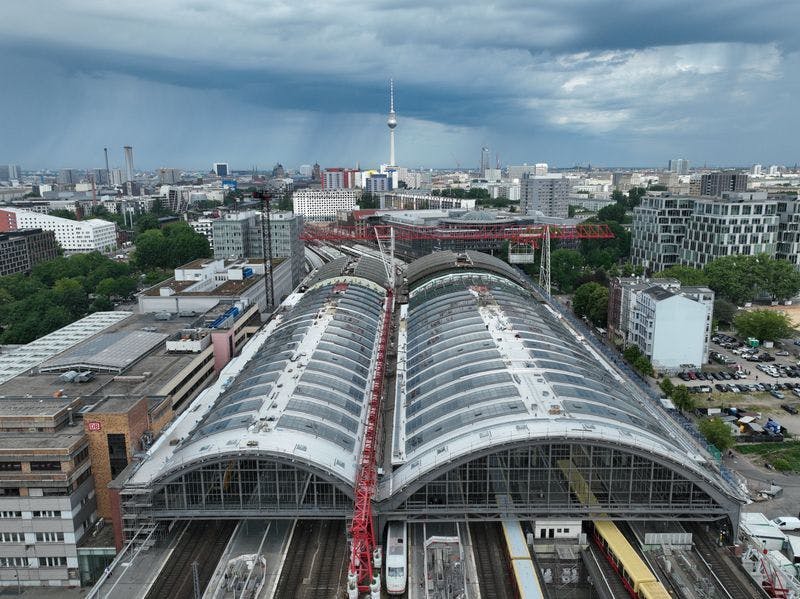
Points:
(669, 323)
(74, 237)
(548, 194)
(322, 204)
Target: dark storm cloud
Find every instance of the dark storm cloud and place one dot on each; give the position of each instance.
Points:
(562, 81)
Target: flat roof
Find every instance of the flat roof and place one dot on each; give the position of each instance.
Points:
(109, 352)
(33, 354)
(63, 439)
(146, 376)
(227, 288)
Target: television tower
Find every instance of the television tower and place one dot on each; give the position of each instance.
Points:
(391, 122)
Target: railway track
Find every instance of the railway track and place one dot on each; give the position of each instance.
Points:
(721, 569)
(316, 562)
(488, 547)
(607, 582)
(203, 542)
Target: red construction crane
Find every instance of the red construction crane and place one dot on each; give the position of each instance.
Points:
(530, 234)
(360, 573)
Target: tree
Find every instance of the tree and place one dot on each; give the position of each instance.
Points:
(591, 301)
(614, 212)
(666, 386)
(631, 353)
(145, 222)
(643, 365)
(724, 311)
(70, 294)
(682, 398)
(685, 274)
(635, 195)
(765, 325)
(717, 432)
(63, 213)
(175, 244)
(566, 267)
(779, 278)
(735, 278)
(571, 210)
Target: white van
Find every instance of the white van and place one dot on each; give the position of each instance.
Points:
(787, 523)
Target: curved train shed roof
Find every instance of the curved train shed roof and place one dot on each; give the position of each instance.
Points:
(300, 392)
(481, 364)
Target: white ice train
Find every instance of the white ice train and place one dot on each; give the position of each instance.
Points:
(396, 558)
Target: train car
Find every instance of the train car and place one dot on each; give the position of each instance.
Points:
(527, 581)
(637, 578)
(396, 558)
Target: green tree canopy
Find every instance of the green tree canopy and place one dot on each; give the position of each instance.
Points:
(741, 279)
(764, 325)
(566, 267)
(779, 278)
(716, 432)
(682, 398)
(724, 311)
(591, 301)
(175, 244)
(666, 386)
(685, 274)
(615, 212)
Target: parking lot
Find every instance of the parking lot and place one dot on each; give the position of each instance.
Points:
(763, 379)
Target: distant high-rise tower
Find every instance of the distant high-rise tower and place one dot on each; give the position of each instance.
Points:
(484, 161)
(220, 169)
(391, 122)
(128, 162)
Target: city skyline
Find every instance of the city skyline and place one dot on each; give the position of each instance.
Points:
(584, 82)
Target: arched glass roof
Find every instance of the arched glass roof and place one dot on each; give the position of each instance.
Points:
(482, 363)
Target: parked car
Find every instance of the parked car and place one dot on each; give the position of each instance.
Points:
(782, 352)
(789, 408)
(777, 394)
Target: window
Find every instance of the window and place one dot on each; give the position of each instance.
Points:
(49, 537)
(45, 466)
(53, 562)
(47, 514)
(12, 537)
(117, 453)
(13, 562)
(10, 514)
(10, 466)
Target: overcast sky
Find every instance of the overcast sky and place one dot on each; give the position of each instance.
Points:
(191, 82)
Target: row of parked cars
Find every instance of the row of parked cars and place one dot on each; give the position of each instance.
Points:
(698, 375)
(779, 370)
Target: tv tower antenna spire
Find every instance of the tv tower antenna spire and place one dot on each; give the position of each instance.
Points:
(391, 122)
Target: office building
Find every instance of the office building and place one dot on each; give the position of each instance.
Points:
(128, 163)
(322, 204)
(221, 169)
(21, 250)
(548, 194)
(736, 224)
(70, 176)
(168, 176)
(659, 229)
(756, 170)
(74, 237)
(10, 172)
(715, 184)
(679, 166)
(316, 173)
(47, 499)
(238, 235)
(788, 242)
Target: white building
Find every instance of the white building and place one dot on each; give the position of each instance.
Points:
(322, 204)
(204, 226)
(74, 237)
(672, 328)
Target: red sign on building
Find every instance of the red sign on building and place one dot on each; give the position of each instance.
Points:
(93, 426)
